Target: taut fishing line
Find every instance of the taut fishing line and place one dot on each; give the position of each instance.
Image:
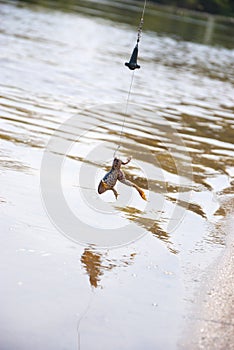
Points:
(132, 65)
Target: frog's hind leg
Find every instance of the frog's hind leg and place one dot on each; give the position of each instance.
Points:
(124, 181)
(141, 192)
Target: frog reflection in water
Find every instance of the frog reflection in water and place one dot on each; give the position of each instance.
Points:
(109, 180)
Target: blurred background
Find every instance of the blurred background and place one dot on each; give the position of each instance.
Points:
(219, 7)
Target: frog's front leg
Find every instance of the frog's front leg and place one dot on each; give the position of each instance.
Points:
(127, 161)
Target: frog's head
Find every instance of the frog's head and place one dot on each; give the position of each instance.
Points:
(116, 163)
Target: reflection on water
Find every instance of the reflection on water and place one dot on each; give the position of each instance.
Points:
(96, 263)
(64, 59)
(92, 264)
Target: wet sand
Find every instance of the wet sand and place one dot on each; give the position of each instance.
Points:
(212, 324)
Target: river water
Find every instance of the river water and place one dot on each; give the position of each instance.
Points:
(83, 271)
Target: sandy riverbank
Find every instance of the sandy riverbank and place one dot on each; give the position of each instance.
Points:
(212, 324)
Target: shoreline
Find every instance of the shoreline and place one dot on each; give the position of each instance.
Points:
(189, 12)
(211, 322)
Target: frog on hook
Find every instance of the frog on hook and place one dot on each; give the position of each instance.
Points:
(109, 180)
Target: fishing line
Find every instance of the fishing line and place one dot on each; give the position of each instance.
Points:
(84, 313)
(85, 188)
(132, 65)
(125, 114)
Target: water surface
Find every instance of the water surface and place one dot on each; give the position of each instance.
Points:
(59, 61)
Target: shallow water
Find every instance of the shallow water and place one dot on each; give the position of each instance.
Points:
(62, 72)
